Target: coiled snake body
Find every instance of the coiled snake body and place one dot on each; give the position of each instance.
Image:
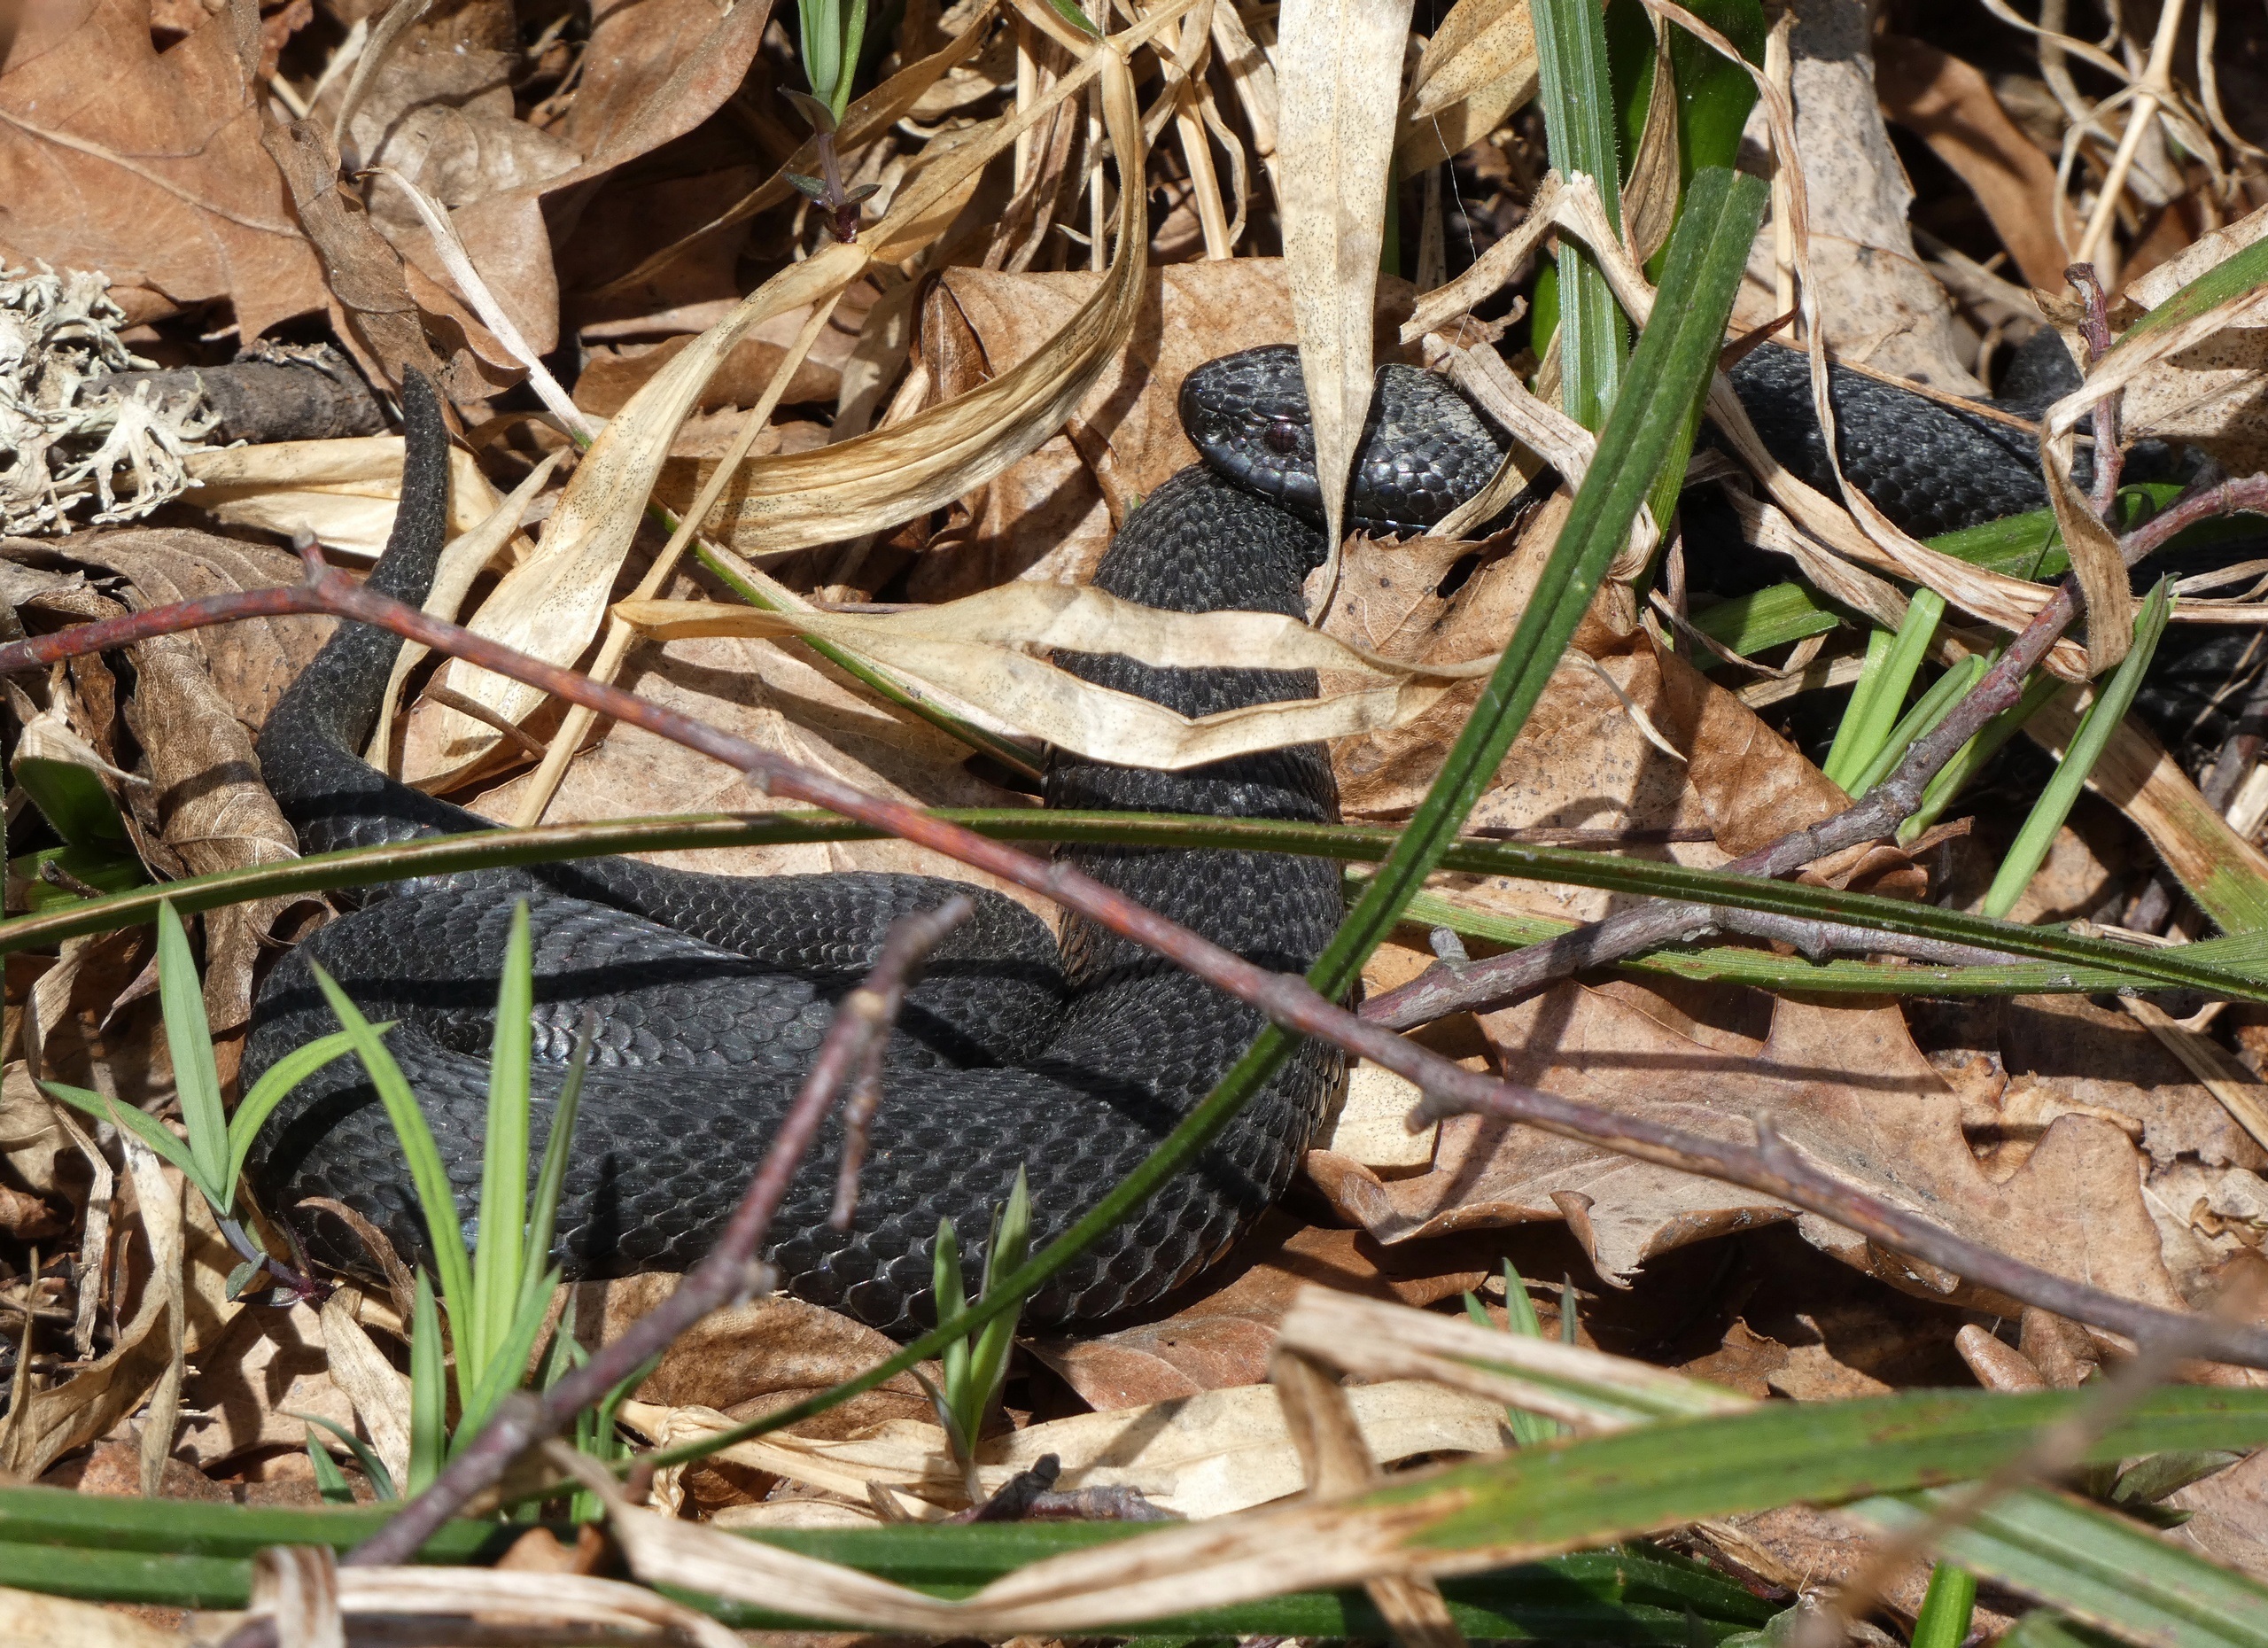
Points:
(1071, 1059)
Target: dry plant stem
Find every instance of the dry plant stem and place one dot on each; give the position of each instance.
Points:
(2110, 458)
(732, 1270)
(1287, 999)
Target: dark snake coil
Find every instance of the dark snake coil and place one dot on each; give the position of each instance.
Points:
(1071, 1059)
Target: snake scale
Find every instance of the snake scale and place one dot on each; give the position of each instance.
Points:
(1069, 1056)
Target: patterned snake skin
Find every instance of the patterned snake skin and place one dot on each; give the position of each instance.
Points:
(711, 993)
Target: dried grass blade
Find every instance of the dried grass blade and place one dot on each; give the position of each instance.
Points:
(1340, 65)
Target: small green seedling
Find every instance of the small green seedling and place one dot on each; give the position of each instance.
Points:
(975, 1372)
(494, 1298)
(213, 1157)
(1520, 1318)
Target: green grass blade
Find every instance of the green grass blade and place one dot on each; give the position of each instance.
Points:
(373, 1467)
(1578, 101)
(551, 1180)
(75, 801)
(274, 1083)
(189, 1039)
(2235, 965)
(332, 1485)
(508, 1360)
(2029, 852)
(496, 1278)
(145, 1127)
(429, 1390)
(1881, 696)
(2096, 1566)
(436, 1197)
(1770, 617)
(1947, 690)
(1947, 1609)
(1842, 754)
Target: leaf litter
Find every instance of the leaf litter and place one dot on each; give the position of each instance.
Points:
(989, 389)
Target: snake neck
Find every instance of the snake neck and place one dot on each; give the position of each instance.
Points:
(310, 750)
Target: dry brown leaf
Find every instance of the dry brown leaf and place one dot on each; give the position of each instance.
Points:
(252, 660)
(209, 806)
(31, 1619)
(969, 651)
(1844, 1085)
(754, 1357)
(654, 70)
(1476, 68)
(267, 1367)
(1224, 1338)
(114, 156)
(2229, 1515)
(1949, 105)
(375, 316)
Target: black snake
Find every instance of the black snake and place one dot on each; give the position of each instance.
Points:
(1069, 1058)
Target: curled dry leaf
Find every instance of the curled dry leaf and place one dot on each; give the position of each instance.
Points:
(1338, 67)
(342, 491)
(1476, 68)
(967, 648)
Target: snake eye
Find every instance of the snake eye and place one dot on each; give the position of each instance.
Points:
(1282, 437)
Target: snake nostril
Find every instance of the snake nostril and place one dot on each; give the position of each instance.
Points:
(1282, 437)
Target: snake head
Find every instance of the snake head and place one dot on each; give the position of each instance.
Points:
(1425, 449)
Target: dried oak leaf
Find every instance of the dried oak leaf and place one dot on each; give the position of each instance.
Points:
(1224, 1338)
(149, 165)
(205, 801)
(653, 71)
(1844, 1085)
